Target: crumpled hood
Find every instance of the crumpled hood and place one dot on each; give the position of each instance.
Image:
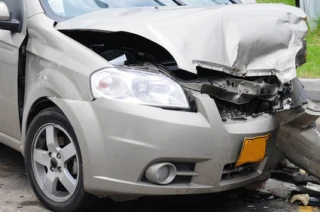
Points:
(242, 40)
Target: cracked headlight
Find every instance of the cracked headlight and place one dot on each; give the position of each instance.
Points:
(139, 87)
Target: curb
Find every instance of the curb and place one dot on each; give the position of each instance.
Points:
(312, 87)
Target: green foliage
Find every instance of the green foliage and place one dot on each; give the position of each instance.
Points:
(290, 2)
(312, 68)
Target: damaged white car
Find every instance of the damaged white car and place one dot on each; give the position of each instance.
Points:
(129, 98)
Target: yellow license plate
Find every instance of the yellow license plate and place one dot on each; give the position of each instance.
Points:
(253, 150)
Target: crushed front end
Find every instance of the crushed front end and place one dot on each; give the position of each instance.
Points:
(203, 142)
(243, 99)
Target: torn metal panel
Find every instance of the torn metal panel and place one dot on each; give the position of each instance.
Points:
(235, 90)
(313, 187)
(238, 98)
(223, 38)
(299, 140)
(298, 94)
(275, 187)
(301, 146)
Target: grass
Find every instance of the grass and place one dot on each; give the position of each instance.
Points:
(290, 2)
(312, 68)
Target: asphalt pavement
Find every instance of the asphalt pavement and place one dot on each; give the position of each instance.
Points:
(17, 195)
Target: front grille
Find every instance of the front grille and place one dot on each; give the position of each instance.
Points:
(181, 180)
(185, 172)
(184, 167)
(231, 172)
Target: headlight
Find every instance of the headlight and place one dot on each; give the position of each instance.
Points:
(139, 87)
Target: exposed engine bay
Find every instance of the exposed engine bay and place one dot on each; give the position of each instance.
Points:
(236, 97)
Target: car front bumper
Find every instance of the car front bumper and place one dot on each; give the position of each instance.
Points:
(119, 141)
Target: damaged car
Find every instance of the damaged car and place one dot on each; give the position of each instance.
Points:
(124, 99)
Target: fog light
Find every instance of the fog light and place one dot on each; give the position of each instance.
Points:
(161, 173)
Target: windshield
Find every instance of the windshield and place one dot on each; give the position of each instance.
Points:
(63, 9)
(60, 10)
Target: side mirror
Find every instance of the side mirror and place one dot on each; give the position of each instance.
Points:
(6, 20)
(4, 12)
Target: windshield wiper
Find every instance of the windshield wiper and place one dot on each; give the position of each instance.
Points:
(101, 4)
(179, 2)
(159, 2)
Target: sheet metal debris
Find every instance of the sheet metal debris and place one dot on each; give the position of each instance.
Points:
(300, 191)
(275, 187)
(312, 186)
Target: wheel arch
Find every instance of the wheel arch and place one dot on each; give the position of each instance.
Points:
(31, 109)
(38, 106)
(43, 102)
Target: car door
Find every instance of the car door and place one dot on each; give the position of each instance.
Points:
(12, 35)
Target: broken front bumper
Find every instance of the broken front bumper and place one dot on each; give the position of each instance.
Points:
(299, 139)
(119, 141)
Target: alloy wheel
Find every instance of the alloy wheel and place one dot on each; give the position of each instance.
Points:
(55, 162)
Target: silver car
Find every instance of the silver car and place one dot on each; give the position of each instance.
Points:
(129, 98)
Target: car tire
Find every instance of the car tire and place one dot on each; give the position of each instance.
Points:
(59, 189)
